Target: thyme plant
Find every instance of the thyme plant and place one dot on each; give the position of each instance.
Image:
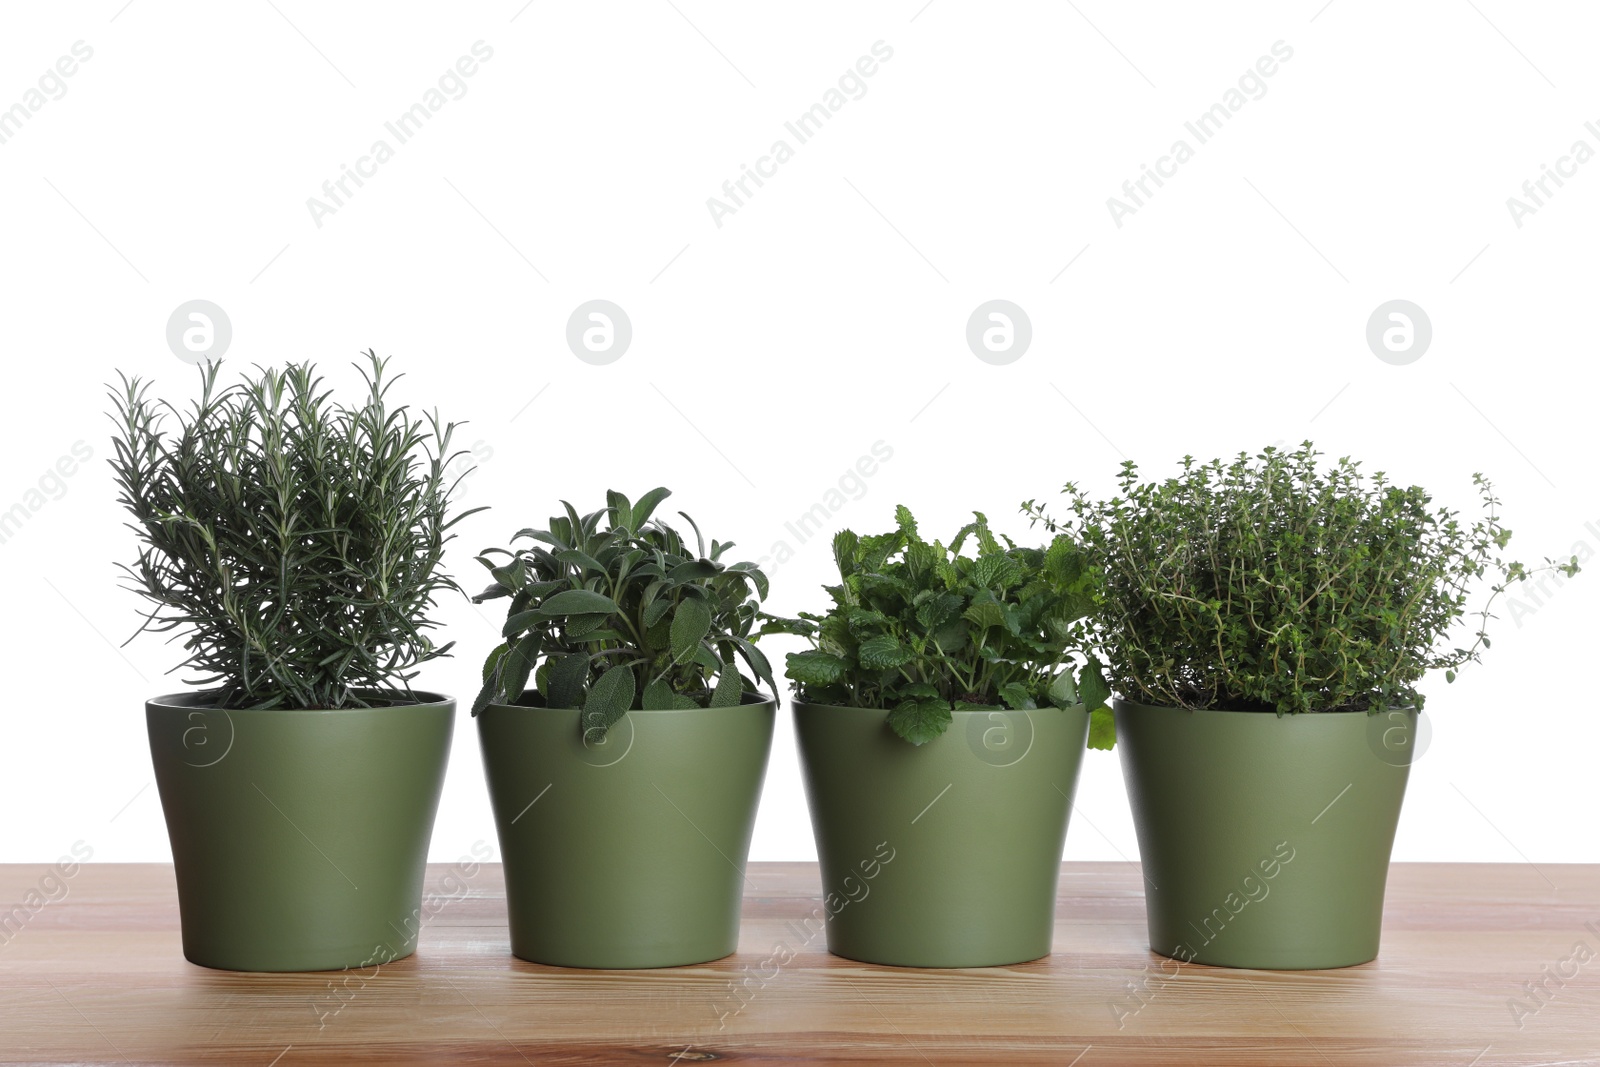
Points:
(1273, 583)
(921, 630)
(293, 543)
(628, 616)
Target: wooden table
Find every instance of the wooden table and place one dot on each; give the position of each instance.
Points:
(98, 977)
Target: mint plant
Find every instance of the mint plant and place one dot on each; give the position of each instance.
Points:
(1271, 583)
(623, 617)
(294, 543)
(921, 630)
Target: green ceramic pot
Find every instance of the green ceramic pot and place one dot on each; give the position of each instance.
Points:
(1264, 840)
(626, 850)
(299, 838)
(944, 854)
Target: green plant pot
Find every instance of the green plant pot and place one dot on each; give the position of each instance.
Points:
(299, 838)
(1265, 841)
(944, 854)
(627, 850)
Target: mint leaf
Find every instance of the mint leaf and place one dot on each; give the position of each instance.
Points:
(1102, 729)
(814, 667)
(938, 610)
(1063, 693)
(1092, 687)
(1015, 695)
(985, 614)
(920, 721)
(882, 653)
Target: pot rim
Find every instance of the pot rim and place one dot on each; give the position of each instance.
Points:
(1118, 702)
(799, 705)
(747, 704)
(198, 700)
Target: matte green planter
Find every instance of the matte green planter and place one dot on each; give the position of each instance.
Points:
(627, 850)
(299, 838)
(944, 854)
(1265, 840)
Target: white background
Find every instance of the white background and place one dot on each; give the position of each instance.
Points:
(826, 314)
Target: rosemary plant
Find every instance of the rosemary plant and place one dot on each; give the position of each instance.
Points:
(293, 543)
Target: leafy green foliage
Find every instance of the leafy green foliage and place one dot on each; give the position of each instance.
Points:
(625, 617)
(1272, 584)
(295, 543)
(921, 630)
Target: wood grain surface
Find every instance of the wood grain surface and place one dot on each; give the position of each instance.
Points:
(98, 977)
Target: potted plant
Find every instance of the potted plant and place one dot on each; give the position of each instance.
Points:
(1267, 622)
(941, 716)
(294, 545)
(625, 780)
